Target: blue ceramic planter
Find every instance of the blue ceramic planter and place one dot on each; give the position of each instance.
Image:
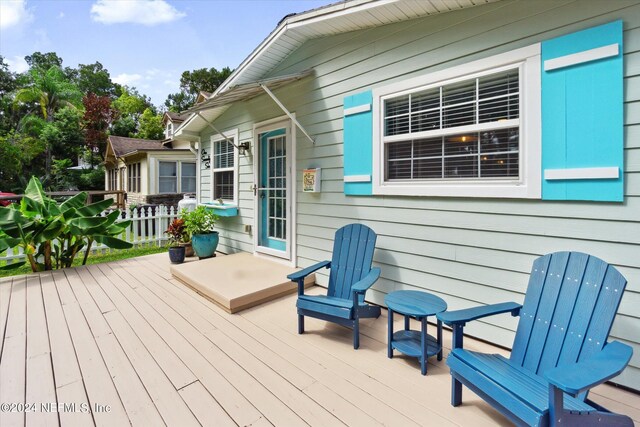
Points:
(204, 245)
(176, 254)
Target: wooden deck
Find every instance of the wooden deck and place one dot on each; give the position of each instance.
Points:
(139, 348)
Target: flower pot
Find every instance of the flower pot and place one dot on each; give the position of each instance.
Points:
(188, 249)
(176, 254)
(204, 245)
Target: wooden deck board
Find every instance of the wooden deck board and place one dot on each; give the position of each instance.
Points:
(14, 352)
(258, 366)
(265, 401)
(126, 333)
(40, 385)
(66, 371)
(178, 372)
(97, 378)
(233, 402)
(5, 299)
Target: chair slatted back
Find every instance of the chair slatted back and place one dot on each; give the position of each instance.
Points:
(570, 305)
(352, 257)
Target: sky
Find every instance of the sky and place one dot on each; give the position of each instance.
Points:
(143, 43)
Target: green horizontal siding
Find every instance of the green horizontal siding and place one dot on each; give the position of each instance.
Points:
(469, 251)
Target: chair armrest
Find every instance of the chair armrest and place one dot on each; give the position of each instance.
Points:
(367, 281)
(307, 271)
(581, 376)
(463, 316)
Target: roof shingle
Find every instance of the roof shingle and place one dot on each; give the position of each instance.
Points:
(122, 145)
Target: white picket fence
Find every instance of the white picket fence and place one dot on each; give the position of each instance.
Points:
(147, 229)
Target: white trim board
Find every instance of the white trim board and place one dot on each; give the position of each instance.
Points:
(357, 178)
(582, 173)
(582, 57)
(357, 109)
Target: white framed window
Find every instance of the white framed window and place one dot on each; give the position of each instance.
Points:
(471, 130)
(224, 167)
(134, 177)
(168, 132)
(167, 177)
(112, 181)
(176, 177)
(187, 177)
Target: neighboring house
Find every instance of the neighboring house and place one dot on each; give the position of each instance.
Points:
(151, 171)
(472, 136)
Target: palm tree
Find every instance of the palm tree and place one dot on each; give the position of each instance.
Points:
(49, 90)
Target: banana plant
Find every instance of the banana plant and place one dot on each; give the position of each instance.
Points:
(57, 233)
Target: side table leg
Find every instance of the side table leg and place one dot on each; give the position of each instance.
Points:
(439, 339)
(407, 323)
(390, 335)
(423, 356)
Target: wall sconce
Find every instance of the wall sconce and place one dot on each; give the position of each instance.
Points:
(244, 147)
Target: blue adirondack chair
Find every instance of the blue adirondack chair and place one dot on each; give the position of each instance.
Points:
(560, 349)
(350, 277)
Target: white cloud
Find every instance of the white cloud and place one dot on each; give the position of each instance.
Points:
(146, 12)
(17, 64)
(14, 13)
(126, 79)
(61, 15)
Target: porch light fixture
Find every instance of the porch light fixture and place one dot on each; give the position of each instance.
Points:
(244, 147)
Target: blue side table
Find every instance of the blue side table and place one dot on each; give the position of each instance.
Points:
(418, 305)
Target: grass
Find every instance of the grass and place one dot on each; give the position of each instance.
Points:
(96, 258)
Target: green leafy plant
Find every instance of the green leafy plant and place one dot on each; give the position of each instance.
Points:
(177, 232)
(52, 234)
(198, 221)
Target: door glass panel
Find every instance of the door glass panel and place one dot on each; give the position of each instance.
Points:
(276, 191)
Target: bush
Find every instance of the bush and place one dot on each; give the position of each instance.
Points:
(55, 233)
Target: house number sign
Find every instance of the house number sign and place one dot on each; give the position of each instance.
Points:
(205, 158)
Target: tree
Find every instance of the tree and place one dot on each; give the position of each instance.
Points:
(64, 134)
(19, 152)
(43, 61)
(150, 125)
(93, 78)
(8, 84)
(130, 105)
(124, 126)
(97, 118)
(192, 83)
(49, 91)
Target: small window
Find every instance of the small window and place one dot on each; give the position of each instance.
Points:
(168, 177)
(112, 179)
(134, 177)
(188, 177)
(223, 170)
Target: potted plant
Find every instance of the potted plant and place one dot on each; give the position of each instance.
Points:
(199, 224)
(177, 234)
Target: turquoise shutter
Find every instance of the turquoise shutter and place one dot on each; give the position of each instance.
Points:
(582, 115)
(358, 144)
